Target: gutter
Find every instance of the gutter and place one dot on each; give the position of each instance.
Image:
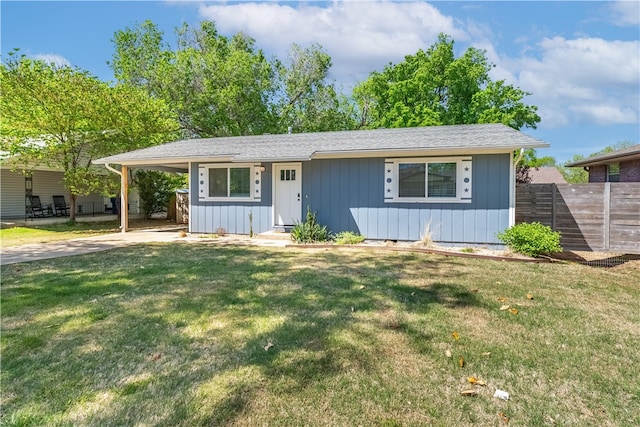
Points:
(108, 166)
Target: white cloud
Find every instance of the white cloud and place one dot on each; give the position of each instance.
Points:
(583, 80)
(359, 36)
(625, 13)
(578, 80)
(51, 58)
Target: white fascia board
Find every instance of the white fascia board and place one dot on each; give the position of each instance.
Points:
(449, 151)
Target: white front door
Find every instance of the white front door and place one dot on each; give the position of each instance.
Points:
(288, 193)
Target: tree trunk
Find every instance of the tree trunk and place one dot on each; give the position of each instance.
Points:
(72, 209)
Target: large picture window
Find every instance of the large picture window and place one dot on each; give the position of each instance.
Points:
(230, 182)
(428, 180)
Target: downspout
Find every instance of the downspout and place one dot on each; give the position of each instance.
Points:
(512, 188)
(124, 217)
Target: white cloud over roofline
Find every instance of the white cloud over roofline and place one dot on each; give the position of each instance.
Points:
(583, 80)
(573, 80)
(359, 36)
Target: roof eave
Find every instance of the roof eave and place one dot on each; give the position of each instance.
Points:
(604, 160)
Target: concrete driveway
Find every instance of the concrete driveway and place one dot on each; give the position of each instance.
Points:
(34, 252)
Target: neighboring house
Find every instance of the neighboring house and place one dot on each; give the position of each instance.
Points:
(43, 182)
(546, 175)
(455, 182)
(616, 166)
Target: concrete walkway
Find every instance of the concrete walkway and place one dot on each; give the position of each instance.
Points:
(105, 242)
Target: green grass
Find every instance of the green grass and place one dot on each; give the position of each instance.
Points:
(17, 236)
(175, 335)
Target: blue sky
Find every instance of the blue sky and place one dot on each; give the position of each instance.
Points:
(581, 60)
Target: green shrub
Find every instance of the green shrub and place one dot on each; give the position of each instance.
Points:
(349, 238)
(532, 239)
(310, 231)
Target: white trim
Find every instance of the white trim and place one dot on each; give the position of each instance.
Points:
(392, 179)
(189, 178)
(512, 190)
(346, 154)
(416, 152)
(255, 182)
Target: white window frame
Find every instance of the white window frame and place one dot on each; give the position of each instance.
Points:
(255, 173)
(463, 180)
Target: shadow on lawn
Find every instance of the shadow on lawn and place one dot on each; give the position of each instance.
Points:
(197, 324)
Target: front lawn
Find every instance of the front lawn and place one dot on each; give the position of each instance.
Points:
(17, 236)
(194, 334)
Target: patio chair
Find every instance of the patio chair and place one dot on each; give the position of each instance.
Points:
(60, 205)
(35, 209)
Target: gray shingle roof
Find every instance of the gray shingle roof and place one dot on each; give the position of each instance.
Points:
(628, 153)
(546, 175)
(305, 146)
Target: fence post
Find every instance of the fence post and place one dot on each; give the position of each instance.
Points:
(554, 189)
(607, 214)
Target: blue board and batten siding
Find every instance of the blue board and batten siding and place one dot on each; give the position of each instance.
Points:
(233, 217)
(348, 195)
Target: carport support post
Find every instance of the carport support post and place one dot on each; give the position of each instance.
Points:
(124, 200)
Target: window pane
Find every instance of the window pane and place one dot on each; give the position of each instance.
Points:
(613, 172)
(240, 185)
(442, 180)
(218, 182)
(411, 179)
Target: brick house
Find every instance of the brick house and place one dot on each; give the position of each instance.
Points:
(616, 166)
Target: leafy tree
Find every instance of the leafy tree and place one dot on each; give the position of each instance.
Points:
(433, 87)
(221, 86)
(574, 175)
(63, 117)
(307, 101)
(217, 86)
(156, 189)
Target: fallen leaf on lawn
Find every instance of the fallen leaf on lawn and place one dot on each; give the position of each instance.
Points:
(461, 362)
(455, 335)
(505, 307)
(268, 346)
(529, 296)
(502, 299)
(474, 380)
(475, 290)
(468, 392)
(513, 310)
(156, 356)
(448, 353)
(503, 417)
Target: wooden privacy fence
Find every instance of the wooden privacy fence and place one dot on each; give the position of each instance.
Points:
(591, 217)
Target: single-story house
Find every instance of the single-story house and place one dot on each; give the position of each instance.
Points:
(617, 166)
(42, 182)
(455, 182)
